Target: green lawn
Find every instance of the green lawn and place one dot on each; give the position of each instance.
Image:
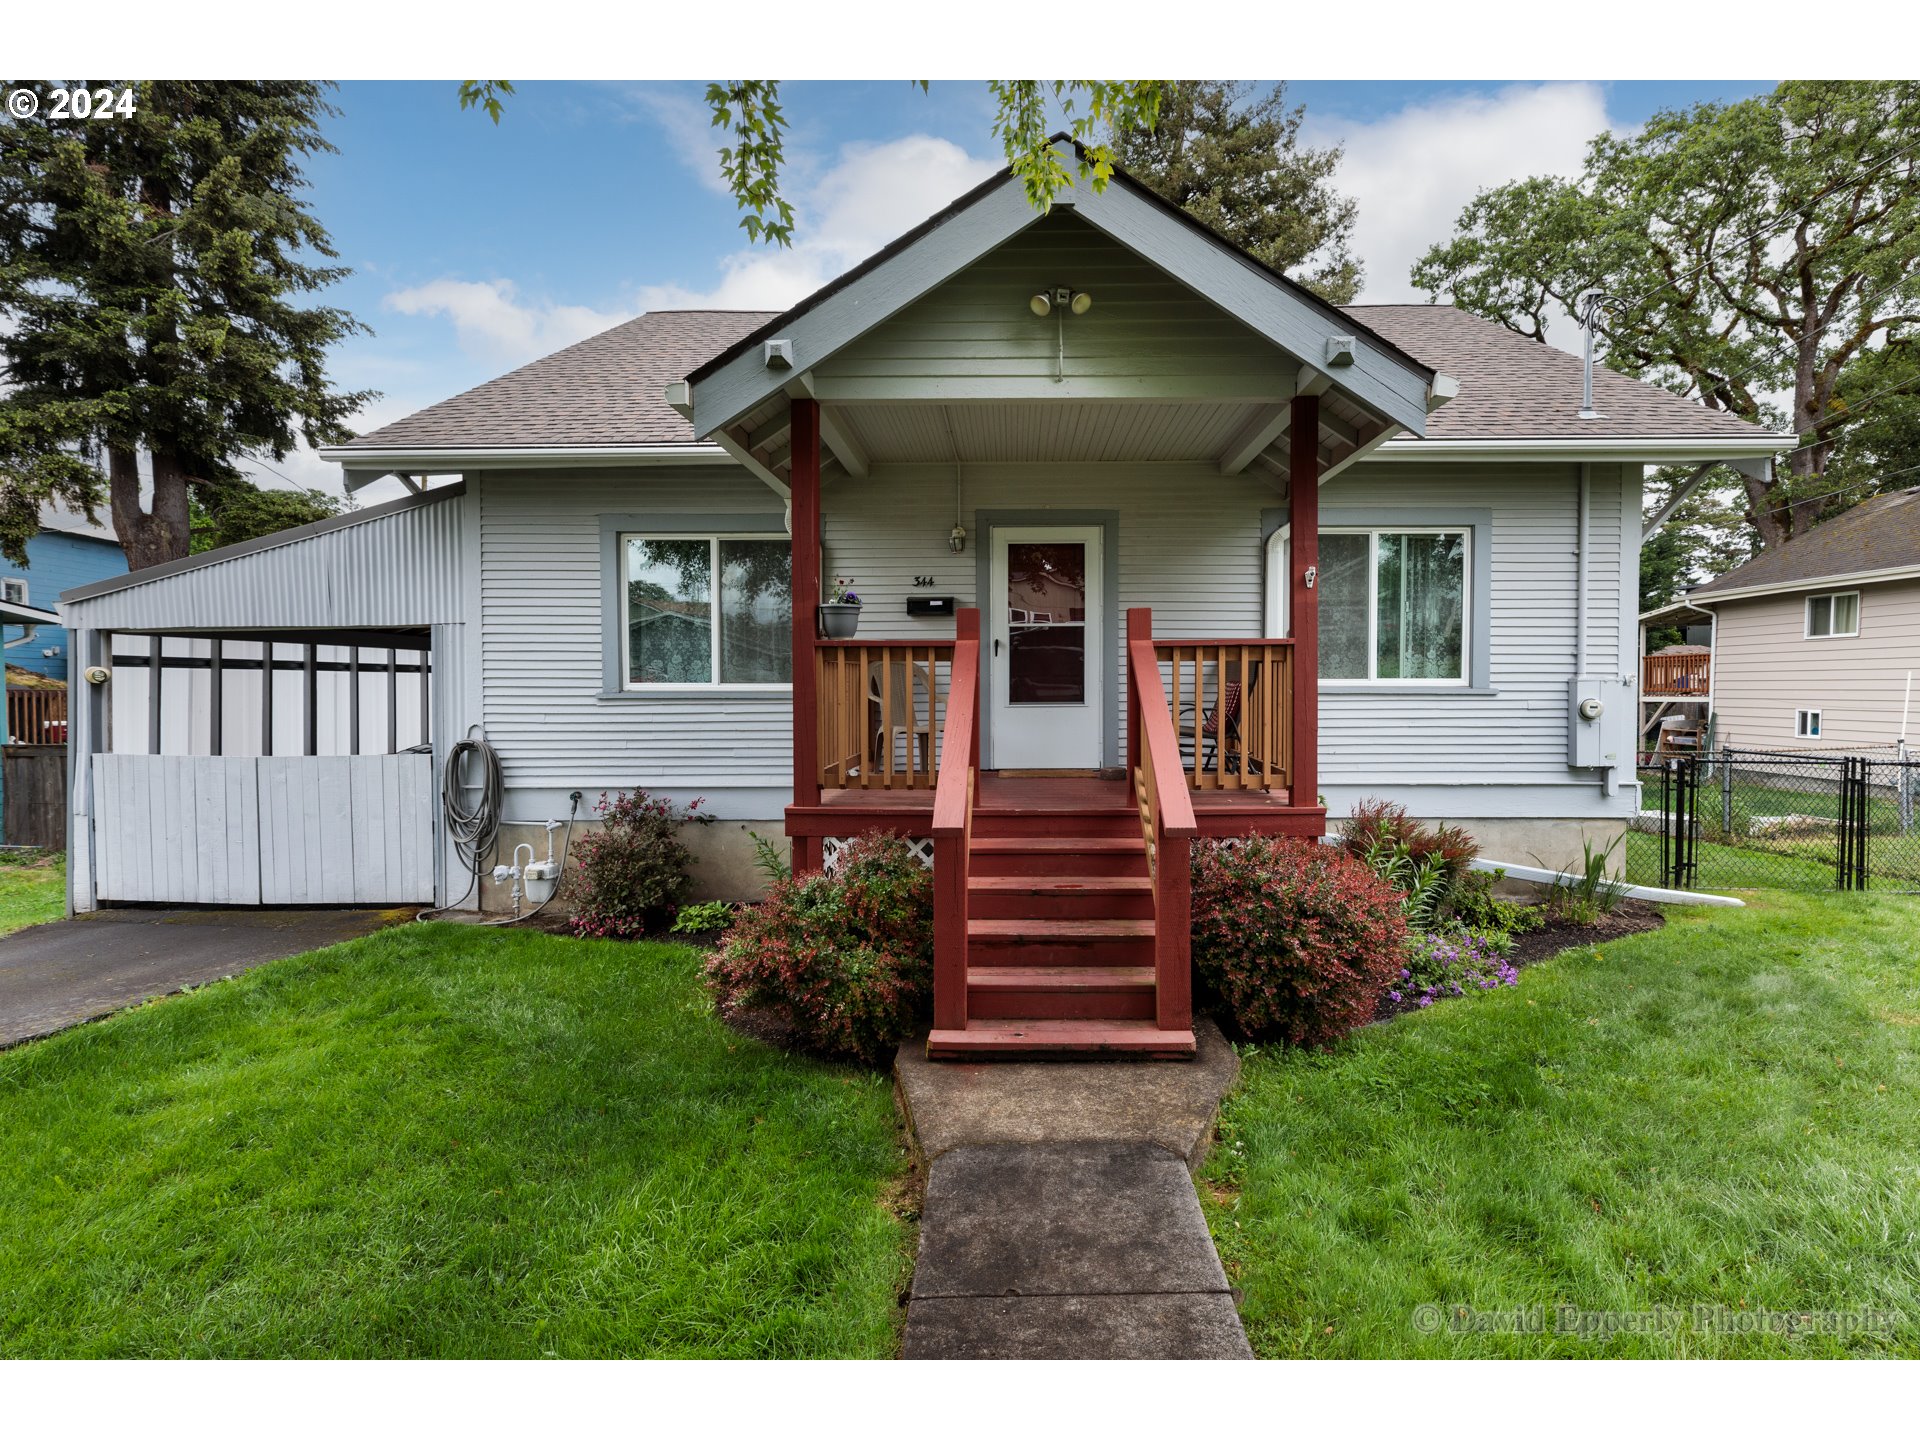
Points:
(442, 1141)
(33, 889)
(1722, 1112)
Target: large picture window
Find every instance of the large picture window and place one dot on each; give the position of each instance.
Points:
(708, 610)
(1393, 605)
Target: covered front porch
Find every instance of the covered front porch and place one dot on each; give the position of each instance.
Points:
(1095, 439)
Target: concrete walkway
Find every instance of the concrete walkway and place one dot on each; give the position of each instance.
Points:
(1060, 1220)
(56, 975)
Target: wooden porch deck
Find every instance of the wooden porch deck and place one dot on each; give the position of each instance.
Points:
(1217, 812)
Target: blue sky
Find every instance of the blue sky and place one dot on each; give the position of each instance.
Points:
(476, 248)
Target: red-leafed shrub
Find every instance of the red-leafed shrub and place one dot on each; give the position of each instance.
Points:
(845, 959)
(632, 874)
(1299, 941)
(1378, 827)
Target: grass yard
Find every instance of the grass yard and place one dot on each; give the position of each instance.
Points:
(442, 1141)
(33, 888)
(1720, 1112)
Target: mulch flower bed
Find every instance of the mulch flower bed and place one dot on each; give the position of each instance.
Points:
(1628, 917)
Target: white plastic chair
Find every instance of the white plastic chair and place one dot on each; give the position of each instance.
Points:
(910, 712)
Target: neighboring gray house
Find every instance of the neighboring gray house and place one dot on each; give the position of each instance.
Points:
(1816, 644)
(1383, 552)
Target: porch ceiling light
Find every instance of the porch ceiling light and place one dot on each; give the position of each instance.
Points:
(1040, 305)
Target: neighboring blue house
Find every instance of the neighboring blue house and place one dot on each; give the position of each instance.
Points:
(70, 550)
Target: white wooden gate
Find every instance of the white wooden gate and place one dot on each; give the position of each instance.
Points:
(266, 830)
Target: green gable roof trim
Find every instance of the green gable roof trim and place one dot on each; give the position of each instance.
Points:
(1381, 377)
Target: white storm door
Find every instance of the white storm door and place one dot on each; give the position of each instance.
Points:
(1044, 644)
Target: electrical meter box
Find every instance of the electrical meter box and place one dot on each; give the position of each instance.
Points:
(1599, 715)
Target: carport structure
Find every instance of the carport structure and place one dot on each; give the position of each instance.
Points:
(265, 724)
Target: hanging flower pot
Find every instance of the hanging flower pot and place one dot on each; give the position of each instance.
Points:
(840, 615)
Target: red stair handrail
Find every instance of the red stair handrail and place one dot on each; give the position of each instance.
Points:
(953, 799)
(1167, 823)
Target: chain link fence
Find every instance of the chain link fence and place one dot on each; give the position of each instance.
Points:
(1734, 819)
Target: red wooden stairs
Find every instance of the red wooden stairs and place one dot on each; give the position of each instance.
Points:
(1060, 940)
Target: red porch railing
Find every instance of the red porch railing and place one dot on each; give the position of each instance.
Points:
(881, 712)
(1166, 822)
(953, 800)
(1677, 677)
(1232, 702)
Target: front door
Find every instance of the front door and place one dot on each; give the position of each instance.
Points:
(1043, 638)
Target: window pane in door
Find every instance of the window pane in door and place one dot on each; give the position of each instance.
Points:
(756, 612)
(1047, 631)
(1047, 583)
(1342, 583)
(669, 612)
(1422, 581)
(1047, 664)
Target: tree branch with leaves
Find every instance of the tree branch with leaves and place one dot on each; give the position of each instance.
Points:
(1765, 248)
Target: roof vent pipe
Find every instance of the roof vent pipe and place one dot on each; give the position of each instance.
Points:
(1587, 307)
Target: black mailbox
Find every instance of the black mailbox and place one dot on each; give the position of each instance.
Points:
(930, 605)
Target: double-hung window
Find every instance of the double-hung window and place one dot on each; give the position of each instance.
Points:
(1830, 617)
(1393, 605)
(707, 610)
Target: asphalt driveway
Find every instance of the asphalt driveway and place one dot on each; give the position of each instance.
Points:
(53, 976)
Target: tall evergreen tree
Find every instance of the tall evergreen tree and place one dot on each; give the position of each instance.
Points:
(1233, 160)
(152, 269)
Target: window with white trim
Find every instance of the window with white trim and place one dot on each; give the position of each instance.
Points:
(1806, 724)
(1831, 617)
(14, 590)
(707, 610)
(1393, 605)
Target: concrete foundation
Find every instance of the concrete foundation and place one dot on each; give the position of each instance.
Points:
(723, 858)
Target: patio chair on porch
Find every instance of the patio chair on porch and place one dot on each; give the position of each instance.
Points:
(1212, 726)
(909, 715)
(1220, 729)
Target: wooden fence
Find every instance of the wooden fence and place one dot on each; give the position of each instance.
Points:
(34, 778)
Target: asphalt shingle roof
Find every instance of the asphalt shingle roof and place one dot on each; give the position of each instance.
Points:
(1881, 534)
(609, 390)
(1513, 388)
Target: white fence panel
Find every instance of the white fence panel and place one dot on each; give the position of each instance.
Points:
(272, 830)
(184, 829)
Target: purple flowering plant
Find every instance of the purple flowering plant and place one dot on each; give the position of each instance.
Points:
(1445, 964)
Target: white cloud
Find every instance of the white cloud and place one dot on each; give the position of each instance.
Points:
(688, 123)
(492, 322)
(868, 197)
(1414, 170)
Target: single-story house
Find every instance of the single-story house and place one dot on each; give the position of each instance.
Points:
(1815, 644)
(1152, 543)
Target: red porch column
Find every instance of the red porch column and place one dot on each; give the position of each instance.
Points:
(805, 484)
(1303, 513)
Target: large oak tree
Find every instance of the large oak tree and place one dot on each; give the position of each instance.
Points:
(1762, 249)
